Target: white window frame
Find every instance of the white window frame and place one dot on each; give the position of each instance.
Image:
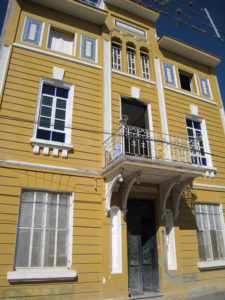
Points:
(210, 262)
(206, 80)
(70, 32)
(173, 81)
(117, 53)
(192, 77)
(204, 138)
(32, 274)
(116, 240)
(170, 241)
(145, 64)
(40, 36)
(68, 120)
(93, 58)
(131, 60)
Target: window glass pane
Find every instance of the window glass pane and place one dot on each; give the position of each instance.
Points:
(39, 210)
(45, 122)
(201, 246)
(197, 125)
(26, 209)
(61, 42)
(49, 248)
(189, 122)
(37, 248)
(48, 89)
(61, 92)
(215, 249)
(64, 208)
(22, 249)
(43, 134)
(60, 114)
(62, 248)
(190, 132)
(46, 111)
(208, 245)
(59, 125)
(51, 210)
(47, 100)
(221, 244)
(61, 103)
(58, 137)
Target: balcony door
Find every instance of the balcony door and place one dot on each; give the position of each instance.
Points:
(136, 137)
(143, 277)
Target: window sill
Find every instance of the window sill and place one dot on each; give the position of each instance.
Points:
(215, 264)
(47, 145)
(41, 275)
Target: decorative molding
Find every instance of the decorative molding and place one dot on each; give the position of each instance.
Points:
(216, 187)
(126, 188)
(135, 92)
(128, 27)
(190, 95)
(165, 189)
(58, 73)
(214, 264)
(194, 109)
(133, 77)
(57, 55)
(178, 190)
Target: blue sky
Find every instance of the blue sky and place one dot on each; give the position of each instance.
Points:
(194, 16)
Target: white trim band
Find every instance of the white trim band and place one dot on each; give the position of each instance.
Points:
(214, 264)
(216, 187)
(133, 77)
(57, 55)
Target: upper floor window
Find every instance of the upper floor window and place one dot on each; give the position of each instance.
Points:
(54, 111)
(195, 137)
(61, 41)
(32, 31)
(211, 231)
(186, 81)
(169, 74)
(131, 63)
(205, 88)
(116, 55)
(145, 64)
(89, 48)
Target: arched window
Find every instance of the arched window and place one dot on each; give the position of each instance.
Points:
(145, 63)
(131, 63)
(116, 54)
(116, 245)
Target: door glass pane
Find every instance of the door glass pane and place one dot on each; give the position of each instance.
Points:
(60, 114)
(59, 125)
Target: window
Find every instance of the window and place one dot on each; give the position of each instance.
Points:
(116, 248)
(44, 229)
(145, 64)
(169, 75)
(186, 81)
(61, 41)
(54, 111)
(131, 65)
(88, 48)
(205, 88)
(32, 31)
(211, 233)
(196, 144)
(116, 55)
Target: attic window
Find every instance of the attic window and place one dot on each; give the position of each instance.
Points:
(186, 81)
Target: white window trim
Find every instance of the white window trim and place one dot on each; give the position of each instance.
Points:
(47, 274)
(5, 51)
(66, 30)
(37, 143)
(174, 73)
(204, 138)
(96, 49)
(41, 35)
(119, 241)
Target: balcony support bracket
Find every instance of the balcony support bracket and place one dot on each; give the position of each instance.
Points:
(126, 188)
(177, 192)
(165, 189)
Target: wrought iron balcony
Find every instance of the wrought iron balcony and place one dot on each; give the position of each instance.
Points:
(143, 143)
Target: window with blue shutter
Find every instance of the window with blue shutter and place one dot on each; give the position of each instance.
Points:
(204, 84)
(32, 31)
(169, 76)
(88, 48)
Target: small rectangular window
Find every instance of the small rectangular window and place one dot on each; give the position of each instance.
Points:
(43, 230)
(145, 65)
(205, 89)
(131, 64)
(186, 81)
(210, 226)
(169, 76)
(116, 55)
(32, 31)
(89, 48)
(61, 41)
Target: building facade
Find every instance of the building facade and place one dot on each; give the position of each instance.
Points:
(112, 157)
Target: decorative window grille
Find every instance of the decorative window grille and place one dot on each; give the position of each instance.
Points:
(44, 229)
(145, 65)
(61, 42)
(131, 65)
(205, 89)
(210, 226)
(195, 137)
(32, 31)
(116, 56)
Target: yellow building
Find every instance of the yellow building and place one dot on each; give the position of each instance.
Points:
(112, 157)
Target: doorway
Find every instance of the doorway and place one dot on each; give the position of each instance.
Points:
(143, 274)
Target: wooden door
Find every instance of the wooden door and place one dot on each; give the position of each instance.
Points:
(142, 247)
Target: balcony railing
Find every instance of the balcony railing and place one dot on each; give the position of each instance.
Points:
(138, 142)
